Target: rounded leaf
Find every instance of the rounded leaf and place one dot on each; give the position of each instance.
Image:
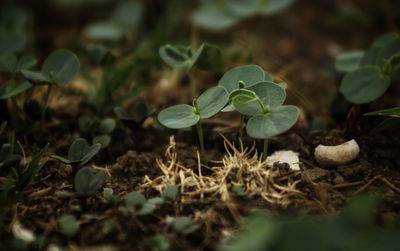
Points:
(210, 16)
(104, 31)
(12, 90)
(7, 62)
(103, 140)
(87, 183)
(61, 66)
(212, 101)
(25, 62)
(277, 121)
(249, 74)
(79, 151)
(178, 116)
(364, 85)
(175, 56)
(271, 94)
(349, 61)
(246, 102)
(275, 6)
(107, 125)
(209, 58)
(35, 76)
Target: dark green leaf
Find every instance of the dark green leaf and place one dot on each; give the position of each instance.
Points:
(134, 199)
(392, 112)
(80, 151)
(35, 76)
(128, 14)
(246, 102)
(213, 18)
(7, 62)
(270, 93)
(210, 58)
(69, 226)
(175, 56)
(184, 225)
(25, 63)
(364, 85)
(178, 117)
(107, 125)
(349, 61)
(104, 31)
(61, 66)
(103, 140)
(169, 193)
(12, 90)
(88, 183)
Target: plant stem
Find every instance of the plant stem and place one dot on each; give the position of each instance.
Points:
(46, 101)
(201, 137)
(265, 149)
(241, 127)
(192, 84)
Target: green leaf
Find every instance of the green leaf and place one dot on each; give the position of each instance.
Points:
(271, 94)
(246, 102)
(210, 58)
(12, 41)
(61, 66)
(103, 140)
(88, 183)
(128, 14)
(175, 56)
(277, 121)
(392, 112)
(7, 62)
(349, 61)
(159, 242)
(33, 168)
(364, 85)
(169, 192)
(81, 152)
(184, 225)
(134, 199)
(212, 101)
(275, 6)
(104, 31)
(12, 90)
(268, 77)
(213, 18)
(107, 125)
(25, 63)
(244, 8)
(178, 116)
(69, 226)
(249, 74)
(147, 208)
(372, 54)
(35, 76)
(389, 50)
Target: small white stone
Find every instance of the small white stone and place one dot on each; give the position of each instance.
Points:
(330, 156)
(289, 157)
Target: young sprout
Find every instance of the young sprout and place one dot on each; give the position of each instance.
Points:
(59, 68)
(79, 153)
(88, 183)
(262, 102)
(207, 57)
(205, 106)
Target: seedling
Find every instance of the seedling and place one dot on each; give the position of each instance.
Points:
(207, 57)
(184, 225)
(59, 68)
(88, 183)
(141, 204)
(205, 106)
(79, 153)
(169, 193)
(371, 73)
(100, 132)
(69, 226)
(262, 102)
(134, 117)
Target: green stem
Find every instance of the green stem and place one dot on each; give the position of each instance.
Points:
(46, 101)
(192, 84)
(265, 149)
(201, 137)
(241, 127)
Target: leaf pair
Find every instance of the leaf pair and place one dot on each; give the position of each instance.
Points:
(207, 57)
(60, 67)
(88, 183)
(371, 73)
(205, 106)
(79, 153)
(263, 103)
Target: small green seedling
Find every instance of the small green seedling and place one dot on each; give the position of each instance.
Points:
(370, 73)
(134, 117)
(184, 225)
(159, 242)
(169, 193)
(88, 183)
(207, 57)
(100, 132)
(59, 68)
(205, 106)
(69, 226)
(263, 103)
(79, 153)
(110, 196)
(218, 15)
(142, 205)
